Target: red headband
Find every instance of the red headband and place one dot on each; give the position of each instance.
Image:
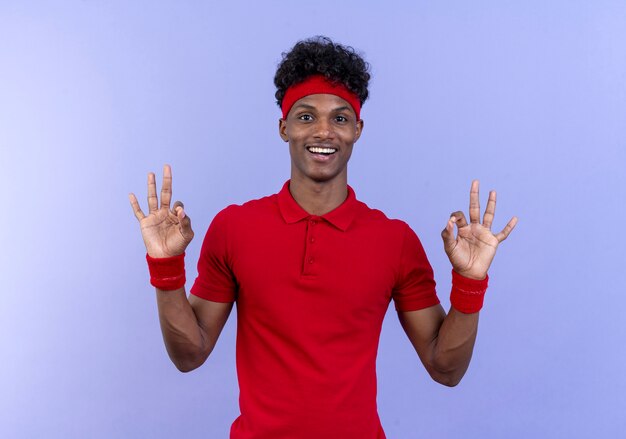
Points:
(318, 84)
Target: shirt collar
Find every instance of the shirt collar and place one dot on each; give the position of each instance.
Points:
(341, 217)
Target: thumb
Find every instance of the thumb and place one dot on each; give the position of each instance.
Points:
(448, 234)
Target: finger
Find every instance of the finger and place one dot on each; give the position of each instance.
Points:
(490, 211)
(184, 223)
(180, 212)
(460, 218)
(153, 201)
(176, 205)
(135, 205)
(448, 234)
(166, 187)
(474, 208)
(507, 230)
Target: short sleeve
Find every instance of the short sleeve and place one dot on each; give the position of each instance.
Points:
(215, 281)
(415, 284)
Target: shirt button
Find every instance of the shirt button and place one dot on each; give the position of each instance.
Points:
(312, 239)
(310, 260)
(312, 222)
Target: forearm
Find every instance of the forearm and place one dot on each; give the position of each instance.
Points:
(451, 351)
(185, 340)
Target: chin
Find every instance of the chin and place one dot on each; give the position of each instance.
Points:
(323, 178)
(320, 178)
(319, 175)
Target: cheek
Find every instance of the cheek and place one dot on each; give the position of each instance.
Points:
(349, 138)
(293, 147)
(294, 136)
(348, 154)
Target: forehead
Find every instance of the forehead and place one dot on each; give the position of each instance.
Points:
(323, 101)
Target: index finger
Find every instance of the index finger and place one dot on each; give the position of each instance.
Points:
(474, 208)
(166, 187)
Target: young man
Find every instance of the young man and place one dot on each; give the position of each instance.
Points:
(313, 271)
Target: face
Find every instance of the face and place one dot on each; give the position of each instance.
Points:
(321, 130)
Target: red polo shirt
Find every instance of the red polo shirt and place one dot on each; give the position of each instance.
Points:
(311, 293)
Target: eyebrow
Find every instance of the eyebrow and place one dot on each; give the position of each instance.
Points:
(311, 107)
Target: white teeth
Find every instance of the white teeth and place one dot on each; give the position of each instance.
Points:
(319, 150)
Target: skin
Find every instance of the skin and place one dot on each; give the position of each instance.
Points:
(319, 184)
(445, 342)
(191, 326)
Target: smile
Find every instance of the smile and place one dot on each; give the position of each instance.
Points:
(321, 150)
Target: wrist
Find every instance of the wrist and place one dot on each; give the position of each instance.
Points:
(468, 294)
(159, 253)
(469, 275)
(167, 273)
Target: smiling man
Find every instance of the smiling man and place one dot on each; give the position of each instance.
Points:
(313, 271)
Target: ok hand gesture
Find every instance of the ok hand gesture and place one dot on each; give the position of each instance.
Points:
(166, 232)
(474, 247)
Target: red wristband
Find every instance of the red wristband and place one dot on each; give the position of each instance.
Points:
(467, 294)
(167, 273)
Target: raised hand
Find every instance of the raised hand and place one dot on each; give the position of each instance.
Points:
(166, 232)
(474, 247)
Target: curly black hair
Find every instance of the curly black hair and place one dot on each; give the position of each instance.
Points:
(320, 55)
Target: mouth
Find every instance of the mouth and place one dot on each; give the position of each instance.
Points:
(321, 150)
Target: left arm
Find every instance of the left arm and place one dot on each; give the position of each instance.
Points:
(443, 342)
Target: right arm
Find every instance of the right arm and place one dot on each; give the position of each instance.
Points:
(190, 326)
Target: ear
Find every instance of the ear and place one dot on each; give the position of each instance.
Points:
(359, 129)
(282, 129)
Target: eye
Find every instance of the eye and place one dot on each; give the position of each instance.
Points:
(341, 119)
(305, 117)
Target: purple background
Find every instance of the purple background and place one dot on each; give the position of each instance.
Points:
(529, 97)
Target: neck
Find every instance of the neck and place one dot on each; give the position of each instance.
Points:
(318, 198)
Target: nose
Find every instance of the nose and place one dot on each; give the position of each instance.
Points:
(324, 129)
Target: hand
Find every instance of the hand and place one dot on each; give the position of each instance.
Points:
(165, 232)
(472, 251)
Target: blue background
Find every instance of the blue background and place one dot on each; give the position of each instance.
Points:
(529, 97)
